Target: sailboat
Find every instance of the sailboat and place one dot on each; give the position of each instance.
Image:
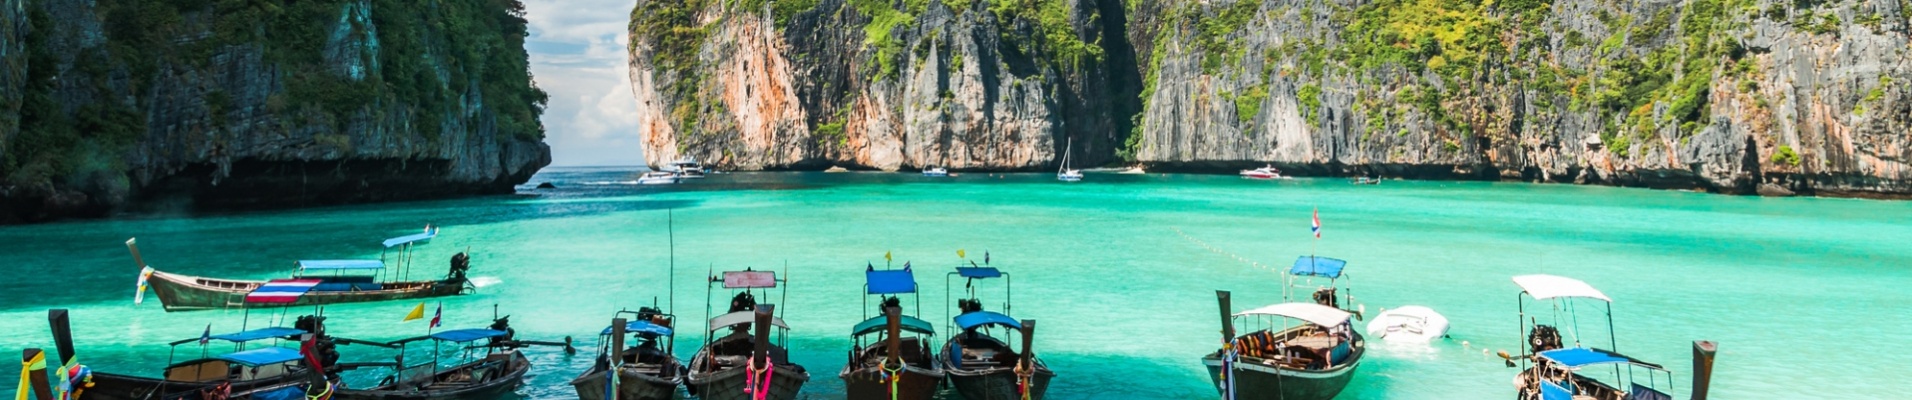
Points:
(1064, 173)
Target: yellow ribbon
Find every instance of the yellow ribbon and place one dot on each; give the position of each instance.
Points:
(38, 363)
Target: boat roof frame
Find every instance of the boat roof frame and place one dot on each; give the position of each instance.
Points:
(1562, 293)
(970, 275)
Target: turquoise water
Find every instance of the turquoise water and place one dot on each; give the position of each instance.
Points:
(1805, 296)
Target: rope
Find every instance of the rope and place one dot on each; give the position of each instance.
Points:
(74, 379)
(893, 376)
(751, 387)
(323, 395)
(1229, 358)
(1225, 253)
(1023, 373)
(37, 363)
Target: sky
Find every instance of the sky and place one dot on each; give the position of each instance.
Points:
(577, 55)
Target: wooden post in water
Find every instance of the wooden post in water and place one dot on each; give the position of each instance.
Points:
(1028, 339)
(760, 355)
(1703, 351)
(1228, 325)
(37, 375)
(894, 315)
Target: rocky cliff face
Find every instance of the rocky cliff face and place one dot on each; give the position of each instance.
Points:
(131, 105)
(1731, 96)
(880, 85)
(1720, 95)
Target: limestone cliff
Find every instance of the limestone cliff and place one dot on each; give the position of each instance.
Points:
(118, 105)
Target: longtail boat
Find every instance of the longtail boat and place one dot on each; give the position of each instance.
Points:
(744, 365)
(983, 366)
(484, 371)
(268, 372)
(1555, 370)
(895, 367)
(647, 371)
(1302, 351)
(320, 282)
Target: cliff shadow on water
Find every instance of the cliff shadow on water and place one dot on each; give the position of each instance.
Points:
(122, 105)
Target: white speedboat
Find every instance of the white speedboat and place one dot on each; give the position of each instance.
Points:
(1408, 324)
(687, 168)
(936, 172)
(658, 178)
(1265, 172)
(1064, 173)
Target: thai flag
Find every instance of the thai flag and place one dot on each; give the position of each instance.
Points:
(281, 291)
(437, 312)
(1317, 224)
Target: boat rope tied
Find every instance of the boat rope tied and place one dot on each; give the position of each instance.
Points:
(1229, 358)
(893, 376)
(1023, 372)
(74, 379)
(756, 391)
(38, 363)
(323, 394)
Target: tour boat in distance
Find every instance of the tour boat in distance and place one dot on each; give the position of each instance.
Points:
(1064, 173)
(1265, 172)
(935, 171)
(1414, 324)
(658, 178)
(688, 168)
(313, 282)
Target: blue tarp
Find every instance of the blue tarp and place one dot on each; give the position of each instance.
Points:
(1318, 266)
(256, 334)
(641, 327)
(890, 282)
(269, 355)
(980, 318)
(1551, 391)
(979, 272)
(340, 264)
(408, 239)
(466, 335)
(879, 324)
(1577, 357)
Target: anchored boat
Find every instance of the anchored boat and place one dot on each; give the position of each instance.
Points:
(688, 168)
(647, 371)
(486, 370)
(740, 364)
(318, 282)
(894, 367)
(1300, 350)
(1554, 370)
(1415, 324)
(264, 372)
(936, 172)
(1064, 173)
(1265, 172)
(659, 178)
(980, 363)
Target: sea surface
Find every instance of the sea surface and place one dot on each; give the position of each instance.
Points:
(1807, 297)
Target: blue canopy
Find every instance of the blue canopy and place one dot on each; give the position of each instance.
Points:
(1318, 266)
(264, 356)
(1576, 357)
(979, 272)
(466, 335)
(256, 334)
(641, 327)
(980, 318)
(341, 264)
(1553, 391)
(408, 239)
(878, 324)
(891, 281)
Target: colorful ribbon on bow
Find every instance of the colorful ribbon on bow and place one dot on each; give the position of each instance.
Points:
(38, 363)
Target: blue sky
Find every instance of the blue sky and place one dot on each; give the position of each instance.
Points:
(577, 55)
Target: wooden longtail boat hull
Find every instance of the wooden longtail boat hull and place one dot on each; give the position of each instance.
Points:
(729, 384)
(493, 388)
(184, 292)
(108, 386)
(1255, 381)
(999, 384)
(917, 383)
(631, 385)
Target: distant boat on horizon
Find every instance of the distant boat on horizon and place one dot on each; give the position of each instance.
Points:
(1265, 172)
(659, 178)
(936, 172)
(1064, 173)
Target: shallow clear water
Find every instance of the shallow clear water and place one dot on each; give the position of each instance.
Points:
(1801, 293)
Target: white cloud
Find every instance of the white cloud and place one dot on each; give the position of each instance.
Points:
(577, 54)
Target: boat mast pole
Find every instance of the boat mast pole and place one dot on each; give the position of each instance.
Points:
(670, 221)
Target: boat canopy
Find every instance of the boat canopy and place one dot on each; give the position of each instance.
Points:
(1577, 357)
(890, 282)
(979, 272)
(466, 335)
(1318, 266)
(640, 327)
(750, 279)
(247, 336)
(265, 356)
(981, 318)
(878, 324)
(1312, 313)
(1543, 287)
(340, 264)
(429, 233)
(742, 317)
(281, 291)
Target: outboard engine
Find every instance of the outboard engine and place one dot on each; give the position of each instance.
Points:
(892, 302)
(322, 346)
(1325, 296)
(503, 324)
(460, 263)
(1543, 338)
(744, 301)
(969, 305)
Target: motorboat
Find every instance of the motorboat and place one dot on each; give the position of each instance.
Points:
(979, 359)
(891, 356)
(1553, 369)
(313, 282)
(645, 371)
(1265, 172)
(481, 370)
(659, 178)
(688, 168)
(265, 371)
(935, 171)
(1415, 324)
(1305, 350)
(739, 359)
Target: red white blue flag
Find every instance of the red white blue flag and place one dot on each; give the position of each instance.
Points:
(436, 313)
(1317, 223)
(281, 291)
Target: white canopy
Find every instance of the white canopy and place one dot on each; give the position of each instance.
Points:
(1313, 313)
(1543, 287)
(742, 317)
